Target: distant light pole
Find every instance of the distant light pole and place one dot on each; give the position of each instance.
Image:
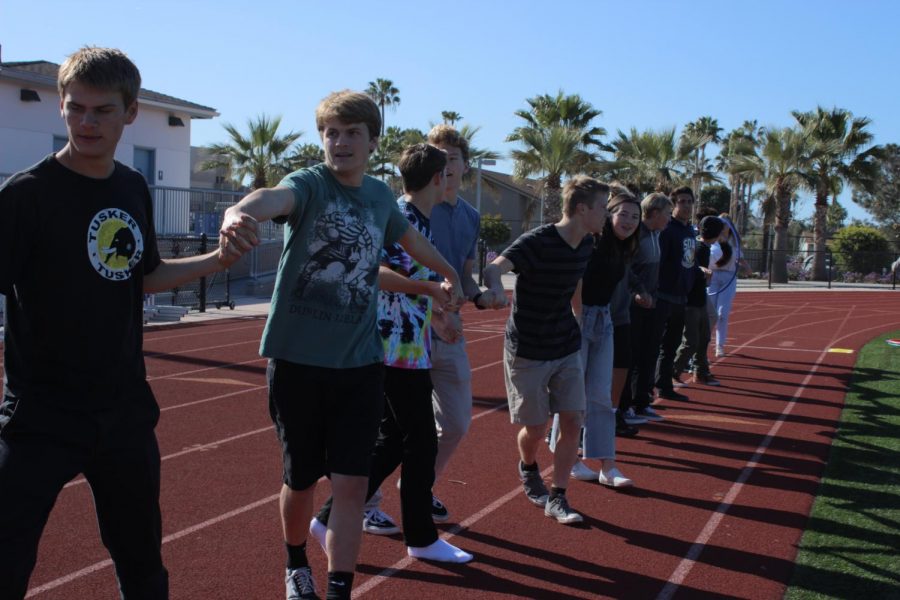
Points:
(489, 162)
(481, 161)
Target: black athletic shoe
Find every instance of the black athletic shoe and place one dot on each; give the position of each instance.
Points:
(623, 429)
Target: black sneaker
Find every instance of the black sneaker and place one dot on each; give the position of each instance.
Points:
(672, 395)
(300, 584)
(534, 487)
(439, 512)
(377, 522)
(623, 429)
(558, 508)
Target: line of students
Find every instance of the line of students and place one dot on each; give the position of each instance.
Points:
(362, 282)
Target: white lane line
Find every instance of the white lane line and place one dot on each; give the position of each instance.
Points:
(687, 563)
(213, 398)
(169, 538)
(195, 448)
(192, 371)
(195, 333)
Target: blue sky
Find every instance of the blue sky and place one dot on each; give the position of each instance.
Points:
(647, 64)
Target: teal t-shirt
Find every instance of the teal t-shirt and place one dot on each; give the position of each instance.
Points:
(326, 291)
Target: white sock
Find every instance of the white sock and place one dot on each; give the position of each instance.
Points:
(440, 551)
(317, 529)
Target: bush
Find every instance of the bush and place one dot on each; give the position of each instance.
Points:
(861, 249)
(494, 230)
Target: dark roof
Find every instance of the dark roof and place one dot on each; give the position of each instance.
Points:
(528, 187)
(48, 69)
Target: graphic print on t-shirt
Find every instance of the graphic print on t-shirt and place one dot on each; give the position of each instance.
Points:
(114, 244)
(342, 264)
(688, 248)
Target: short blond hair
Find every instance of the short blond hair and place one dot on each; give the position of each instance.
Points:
(349, 107)
(581, 189)
(101, 68)
(653, 203)
(445, 135)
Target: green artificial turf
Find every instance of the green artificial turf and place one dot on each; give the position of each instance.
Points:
(851, 547)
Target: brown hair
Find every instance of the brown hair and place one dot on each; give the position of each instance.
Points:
(445, 135)
(653, 203)
(683, 190)
(349, 107)
(418, 165)
(101, 68)
(581, 189)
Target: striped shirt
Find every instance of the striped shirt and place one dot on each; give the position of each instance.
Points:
(541, 325)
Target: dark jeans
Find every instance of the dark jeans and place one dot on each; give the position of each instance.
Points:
(646, 331)
(671, 339)
(42, 447)
(695, 342)
(407, 438)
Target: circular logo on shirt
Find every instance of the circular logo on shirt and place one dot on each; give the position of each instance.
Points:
(114, 243)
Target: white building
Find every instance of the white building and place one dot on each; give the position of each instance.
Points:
(158, 143)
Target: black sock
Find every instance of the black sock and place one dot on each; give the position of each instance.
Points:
(340, 583)
(296, 556)
(555, 491)
(532, 467)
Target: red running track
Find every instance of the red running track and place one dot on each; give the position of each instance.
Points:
(723, 485)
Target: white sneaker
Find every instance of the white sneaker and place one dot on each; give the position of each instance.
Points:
(720, 352)
(614, 478)
(582, 472)
(632, 419)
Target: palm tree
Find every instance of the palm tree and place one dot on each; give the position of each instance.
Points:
(739, 142)
(450, 117)
(261, 155)
(559, 139)
(551, 153)
(696, 135)
(648, 160)
(384, 93)
(781, 163)
(838, 139)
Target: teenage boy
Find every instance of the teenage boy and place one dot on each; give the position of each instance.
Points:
(542, 353)
(455, 228)
(407, 435)
(326, 366)
(695, 343)
(75, 394)
(646, 321)
(677, 245)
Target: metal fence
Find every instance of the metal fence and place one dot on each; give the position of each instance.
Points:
(863, 268)
(192, 211)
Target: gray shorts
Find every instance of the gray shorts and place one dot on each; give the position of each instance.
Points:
(536, 389)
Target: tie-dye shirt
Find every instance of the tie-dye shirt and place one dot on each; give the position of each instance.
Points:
(404, 320)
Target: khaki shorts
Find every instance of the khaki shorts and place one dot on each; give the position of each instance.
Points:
(536, 389)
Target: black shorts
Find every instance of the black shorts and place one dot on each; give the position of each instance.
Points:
(622, 347)
(326, 419)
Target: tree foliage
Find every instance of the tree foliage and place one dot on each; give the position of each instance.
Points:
(861, 249)
(716, 196)
(883, 199)
(494, 230)
(261, 155)
(558, 138)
